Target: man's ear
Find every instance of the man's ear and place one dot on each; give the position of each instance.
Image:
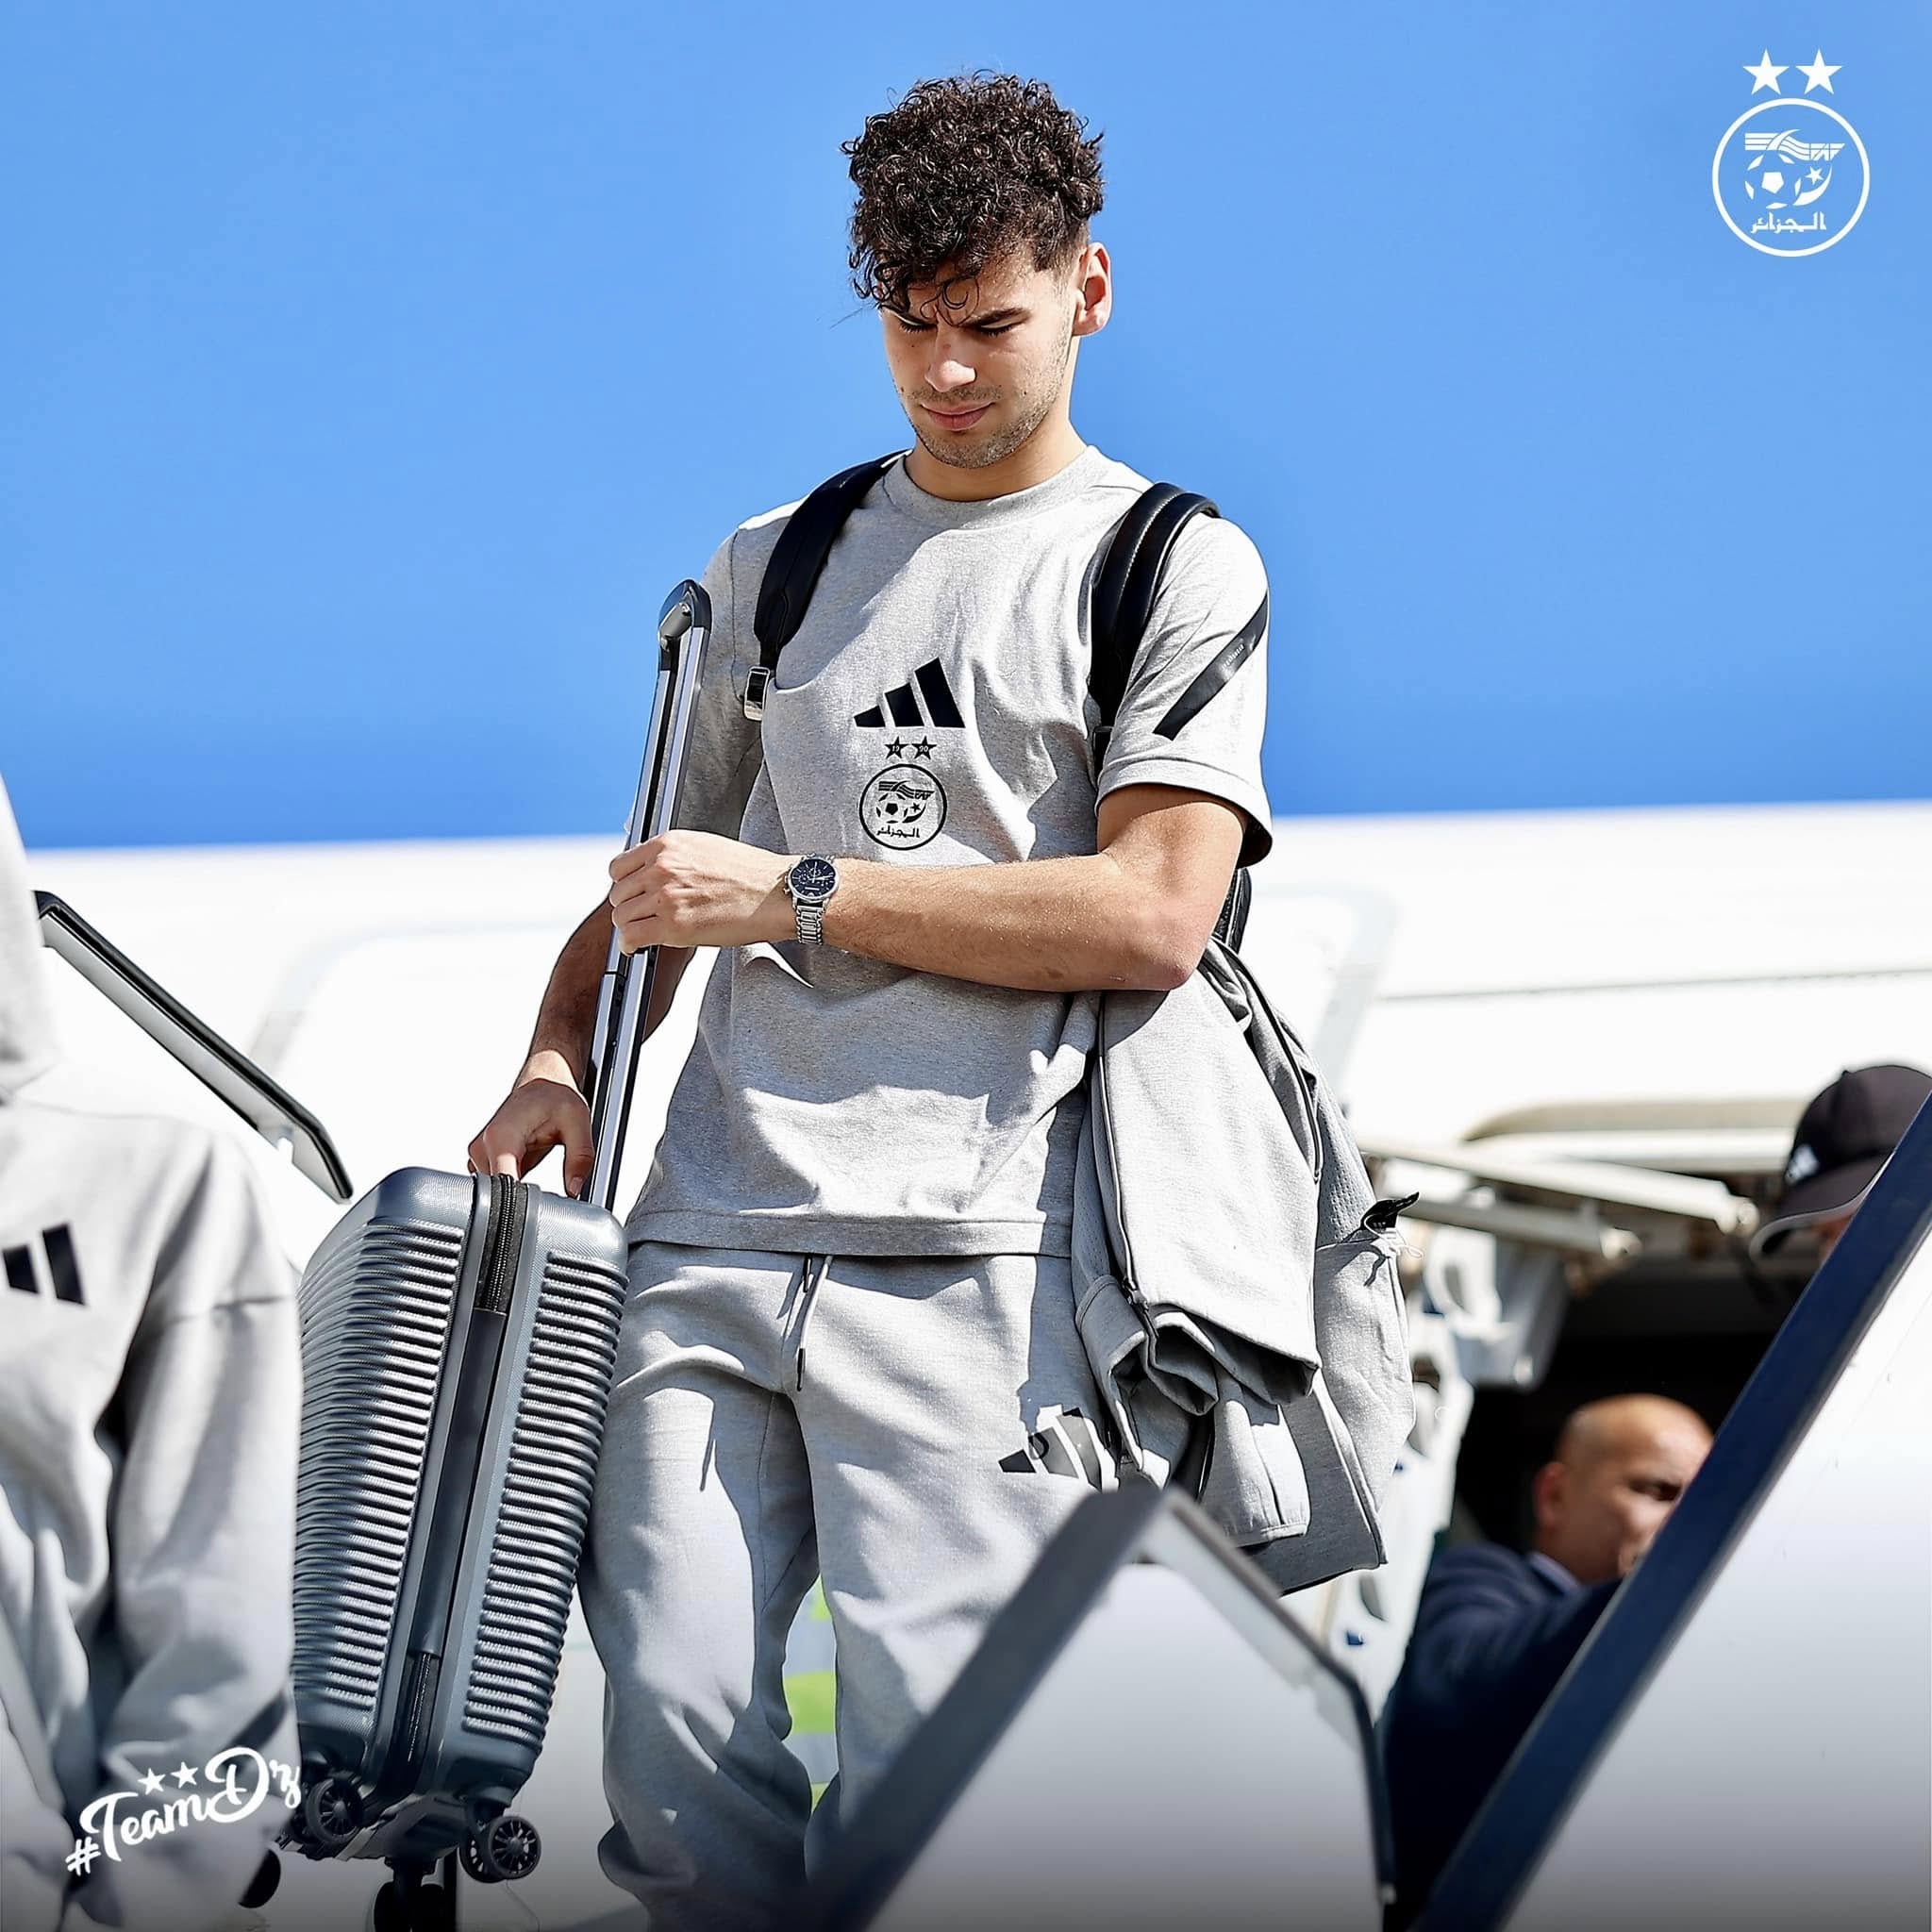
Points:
(1093, 287)
(1546, 1494)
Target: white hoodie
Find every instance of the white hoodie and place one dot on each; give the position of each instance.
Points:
(150, 1401)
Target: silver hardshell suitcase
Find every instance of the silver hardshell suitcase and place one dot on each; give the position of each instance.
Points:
(458, 1337)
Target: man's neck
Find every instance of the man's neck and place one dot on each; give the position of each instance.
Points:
(1042, 457)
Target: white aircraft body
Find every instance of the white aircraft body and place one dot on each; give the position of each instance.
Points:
(1584, 1038)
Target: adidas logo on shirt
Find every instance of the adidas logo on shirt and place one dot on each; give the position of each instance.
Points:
(56, 1246)
(901, 705)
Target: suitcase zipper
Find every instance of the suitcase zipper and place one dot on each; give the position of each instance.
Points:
(456, 1485)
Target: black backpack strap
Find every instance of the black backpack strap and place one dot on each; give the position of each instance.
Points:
(1123, 605)
(798, 560)
(1124, 590)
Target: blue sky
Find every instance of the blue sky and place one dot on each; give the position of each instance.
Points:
(371, 372)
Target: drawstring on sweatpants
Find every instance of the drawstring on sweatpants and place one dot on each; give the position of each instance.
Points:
(815, 1266)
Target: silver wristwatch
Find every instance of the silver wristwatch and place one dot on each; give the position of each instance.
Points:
(811, 882)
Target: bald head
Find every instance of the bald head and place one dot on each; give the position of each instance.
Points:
(1625, 1422)
(1619, 1469)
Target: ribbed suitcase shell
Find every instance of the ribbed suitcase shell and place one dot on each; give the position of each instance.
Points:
(439, 1513)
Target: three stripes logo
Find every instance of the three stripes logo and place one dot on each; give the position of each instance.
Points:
(1066, 1444)
(54, 1248)
(902, 703)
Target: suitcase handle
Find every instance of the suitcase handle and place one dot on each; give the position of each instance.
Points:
(623, 995)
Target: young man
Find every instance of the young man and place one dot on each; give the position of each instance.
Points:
(851, 1286)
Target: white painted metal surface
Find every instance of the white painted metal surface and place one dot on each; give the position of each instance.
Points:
(1183, 1758)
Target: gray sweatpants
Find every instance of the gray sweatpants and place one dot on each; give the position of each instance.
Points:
(777, 1417)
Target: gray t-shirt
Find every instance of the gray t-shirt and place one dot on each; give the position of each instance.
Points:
(932, 710)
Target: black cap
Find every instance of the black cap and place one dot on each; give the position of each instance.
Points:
(1844, 1137)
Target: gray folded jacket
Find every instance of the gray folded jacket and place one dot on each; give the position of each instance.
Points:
(1229, 1274)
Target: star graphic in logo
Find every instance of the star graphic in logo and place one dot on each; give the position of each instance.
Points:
(183, 1775)
(1764, 73)
(151, 1783)
(923, 749)
(1817, 73)
(895, 748)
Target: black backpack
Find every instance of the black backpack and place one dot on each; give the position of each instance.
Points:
(1123, 602)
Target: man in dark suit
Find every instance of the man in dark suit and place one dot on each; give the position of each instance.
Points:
(1495, 1630)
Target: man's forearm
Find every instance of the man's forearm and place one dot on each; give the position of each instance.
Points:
(1045, 924)
(568, 1014)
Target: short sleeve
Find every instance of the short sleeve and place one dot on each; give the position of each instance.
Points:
(722, 752)
(1197, 698)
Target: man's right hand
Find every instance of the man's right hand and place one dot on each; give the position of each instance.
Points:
(544, 1110)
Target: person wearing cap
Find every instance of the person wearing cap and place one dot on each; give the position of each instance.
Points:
(1844, 1137)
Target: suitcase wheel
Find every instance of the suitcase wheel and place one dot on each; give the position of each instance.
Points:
(332, 1811)
(502, 1850)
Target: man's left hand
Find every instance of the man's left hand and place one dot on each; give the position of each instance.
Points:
(695, 889)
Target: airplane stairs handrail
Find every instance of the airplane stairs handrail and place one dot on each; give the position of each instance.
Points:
(226, 1072)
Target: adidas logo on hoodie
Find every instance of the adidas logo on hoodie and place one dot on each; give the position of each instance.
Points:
(59, 1267)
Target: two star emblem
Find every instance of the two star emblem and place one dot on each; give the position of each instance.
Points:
(183, 1775)
(1816, 73)
(923, 749)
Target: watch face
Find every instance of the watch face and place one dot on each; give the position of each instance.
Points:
(813, 879)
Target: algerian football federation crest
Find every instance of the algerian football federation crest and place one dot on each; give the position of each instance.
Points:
(904, 806)
(1790, 175)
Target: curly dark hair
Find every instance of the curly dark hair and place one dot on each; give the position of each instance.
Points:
(961, 173)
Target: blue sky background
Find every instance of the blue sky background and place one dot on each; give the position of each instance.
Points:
(372, 370)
